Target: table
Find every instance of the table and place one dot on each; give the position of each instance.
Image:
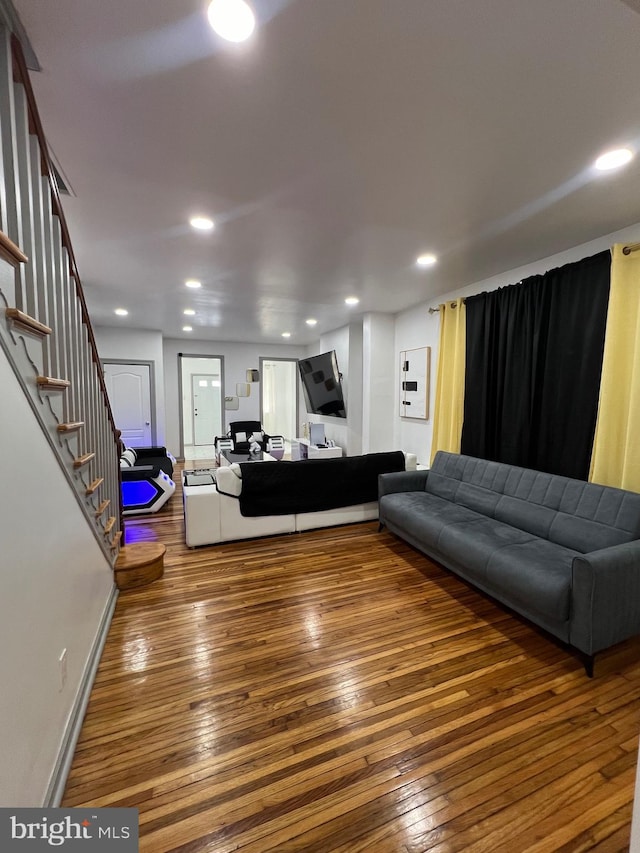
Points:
(228, 457)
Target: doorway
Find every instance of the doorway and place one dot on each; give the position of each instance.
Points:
(201, 401)
(129, 389)
(279, 396)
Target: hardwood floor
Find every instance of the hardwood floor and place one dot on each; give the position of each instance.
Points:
(336, 692)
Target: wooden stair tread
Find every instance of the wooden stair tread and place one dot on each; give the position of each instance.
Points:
(109, 525)
(94, 485)
(139, 554)
(139, 564)
(73, 426)
(10, 251)
(50, 383)
(103, 506)
(115, 541)
(79, 461)
(27, 323)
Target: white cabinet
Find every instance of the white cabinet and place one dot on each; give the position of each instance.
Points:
(312, 451)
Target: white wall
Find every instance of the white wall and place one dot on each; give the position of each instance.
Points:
(55, 584)
(416, 327)
(378, 372)
(138, 345)
(238, 358)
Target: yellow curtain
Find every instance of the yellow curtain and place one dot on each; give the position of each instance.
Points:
(447, 419)
(615, 460)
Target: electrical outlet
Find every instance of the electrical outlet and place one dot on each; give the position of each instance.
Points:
(62, 670)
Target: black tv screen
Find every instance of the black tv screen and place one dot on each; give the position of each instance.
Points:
(321, 385)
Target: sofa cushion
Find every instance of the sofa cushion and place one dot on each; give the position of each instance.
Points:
(534, 575)
(517, 567)
(576, 515)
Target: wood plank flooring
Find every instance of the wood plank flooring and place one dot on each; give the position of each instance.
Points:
(336, 692)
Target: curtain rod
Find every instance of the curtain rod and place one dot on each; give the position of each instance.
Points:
(626, 250)
(454, 303)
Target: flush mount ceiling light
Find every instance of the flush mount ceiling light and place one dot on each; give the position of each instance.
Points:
(352, 300)
(613, 159)
(193, 283)
(426, 260)
(201, 223)
(311, 322)
(187, 328)
(188, 312)
(121, 312)
(286, 334)
(232, 20)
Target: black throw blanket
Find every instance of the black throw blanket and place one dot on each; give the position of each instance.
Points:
(286, 488)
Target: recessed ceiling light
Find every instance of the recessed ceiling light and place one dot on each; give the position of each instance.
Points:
(193, 283)
(352, 300)
(187, 328)
(613, 159)
(233, 20)
(286, 334)
(188, 312)
(201, 223)
(311, 322)
(121, 312)
(426, 260)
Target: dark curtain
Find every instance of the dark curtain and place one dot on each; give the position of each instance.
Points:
(533, 364)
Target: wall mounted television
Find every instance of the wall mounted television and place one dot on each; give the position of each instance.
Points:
(322, 386)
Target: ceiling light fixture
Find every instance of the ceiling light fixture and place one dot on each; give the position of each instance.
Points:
(187, 328)
(613, 159)
(426, 260)
(188, 312)
(232, 20)
(121, 312)
(193, 283)
(201, 223)
(286, 334)
(311, 322)
(352, 300)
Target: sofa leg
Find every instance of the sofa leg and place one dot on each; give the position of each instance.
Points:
(380, 526)
(588, 661)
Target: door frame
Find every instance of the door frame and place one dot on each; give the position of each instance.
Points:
(264, 358)
(207, 355)
(152, 387)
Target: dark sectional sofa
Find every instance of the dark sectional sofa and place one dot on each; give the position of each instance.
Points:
(563, 553)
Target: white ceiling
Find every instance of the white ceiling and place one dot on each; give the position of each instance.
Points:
(346, 138)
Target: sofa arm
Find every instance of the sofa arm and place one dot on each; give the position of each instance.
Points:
(140, 472)
(401, 481)
(606, 597)
(146, 452)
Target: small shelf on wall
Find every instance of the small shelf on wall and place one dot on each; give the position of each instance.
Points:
(415, 370)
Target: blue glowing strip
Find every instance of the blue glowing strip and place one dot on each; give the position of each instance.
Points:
(138, 493)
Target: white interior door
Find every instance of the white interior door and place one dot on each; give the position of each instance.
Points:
(205, 394)
(129, 390)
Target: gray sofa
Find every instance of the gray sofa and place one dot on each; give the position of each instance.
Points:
(563, 553)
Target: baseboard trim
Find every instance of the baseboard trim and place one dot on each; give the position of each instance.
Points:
(55, 790)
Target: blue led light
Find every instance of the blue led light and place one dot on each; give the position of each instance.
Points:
(138, 493)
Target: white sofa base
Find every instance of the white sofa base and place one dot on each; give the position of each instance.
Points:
(211, 516)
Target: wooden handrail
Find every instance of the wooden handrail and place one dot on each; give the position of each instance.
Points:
(21, 75)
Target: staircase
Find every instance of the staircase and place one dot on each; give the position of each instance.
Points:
(45, 330)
